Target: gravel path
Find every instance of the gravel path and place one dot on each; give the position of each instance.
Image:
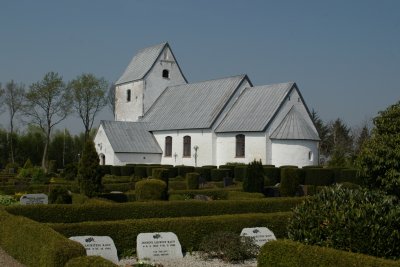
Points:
(194, 260)
(7, 260)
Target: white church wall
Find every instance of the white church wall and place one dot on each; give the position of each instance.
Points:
(129, 110)
(138, 158)
(103, 146)
(200, 138)
(294, 152)
(155, 83)
(255, 148)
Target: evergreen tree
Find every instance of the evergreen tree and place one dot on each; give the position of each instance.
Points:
(89, 173)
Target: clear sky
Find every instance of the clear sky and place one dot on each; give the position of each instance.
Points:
(344, 55)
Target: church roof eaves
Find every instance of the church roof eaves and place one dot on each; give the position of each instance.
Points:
(130, 137)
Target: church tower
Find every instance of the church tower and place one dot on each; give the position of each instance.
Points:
(148, 74)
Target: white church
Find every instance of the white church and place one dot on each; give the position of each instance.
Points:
(160, 118)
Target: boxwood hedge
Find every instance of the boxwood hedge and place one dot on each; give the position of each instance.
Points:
(190, 230)
(287, 253)
(58, 213)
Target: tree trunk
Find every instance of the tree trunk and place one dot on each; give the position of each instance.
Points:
(11, 140)
(46, 148)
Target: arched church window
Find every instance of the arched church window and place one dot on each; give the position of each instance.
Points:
(240, 145)
(128, 95)
(165, 74)
(168, 146)
(310, 156)
(186, 146)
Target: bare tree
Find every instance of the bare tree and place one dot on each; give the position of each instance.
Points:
(14, 99)
(111, 99)
(1, 97)
(89, 97)
(48, 103)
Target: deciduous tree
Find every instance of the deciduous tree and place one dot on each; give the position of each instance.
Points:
(89, 97)
(48, 103)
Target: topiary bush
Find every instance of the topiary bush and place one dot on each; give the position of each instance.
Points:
(116, 170)
(140, 171)
(127, 170)
(192, 180)
(182, 170)
(362, 221)
(272, 175)
(70, 171)
(318, 176)
(228, 246)
(162, 174)
(60, 195)
(254, 180)
(151, 189)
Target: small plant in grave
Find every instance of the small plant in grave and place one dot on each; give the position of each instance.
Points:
(228, 246)
(7, 200)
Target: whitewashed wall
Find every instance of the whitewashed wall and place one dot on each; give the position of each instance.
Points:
(201, 138)
(155, 84)
(255, 148)
(129, 111)
(294, 152)
(103, 146)
(138, 158)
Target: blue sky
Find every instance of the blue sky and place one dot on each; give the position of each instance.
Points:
(344, 55)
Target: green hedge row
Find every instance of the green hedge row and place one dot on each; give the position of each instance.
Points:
(190, 230)
(138, 210)
(35, 244)
(216, 194)
(123, 187)
(287, 253)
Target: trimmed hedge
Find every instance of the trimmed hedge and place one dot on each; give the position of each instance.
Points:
(192, 180)
(177, 185)
(123, 187)
(116, 170)
(140, 171)
(111, 179)
(90, 261)
(231, 169)
(161, 174)
(127, 170)
(287, 253)
(218, 175)
(240, 172)
(350, 176)
(319, 176)
(161, 209)
(272, 176)
(24, 240)
(182, 170)
(290, 181)
(116, 197)
(215, 194)
(190, 230)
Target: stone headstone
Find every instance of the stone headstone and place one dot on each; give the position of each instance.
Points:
(158, 246)
(261, 235)
(102, 246)
(31, 199)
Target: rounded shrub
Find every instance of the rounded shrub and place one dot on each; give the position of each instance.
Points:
(151, 189)
(162, 174)
(192, 180)
(205, 172)
(218, 175)
(240, 172)
(182, 170)
(230, 167)
(59, 195)
(362, 221)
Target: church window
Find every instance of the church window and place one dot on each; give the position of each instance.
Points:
(186, 146)
(128, 95)
(240, 145)
(165, 74)
(168, 146)
(310, 156)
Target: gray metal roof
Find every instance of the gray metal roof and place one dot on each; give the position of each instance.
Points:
(294, 126)
(130, 137)
(255, 108)
(141, 63)
(192, 106)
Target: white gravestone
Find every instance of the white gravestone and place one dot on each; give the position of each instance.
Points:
(158, 246)
(31, 199)
(102, 246)
(261, 235)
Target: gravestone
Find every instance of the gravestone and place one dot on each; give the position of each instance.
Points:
(261, 235)
(31, 199)
(102, 246)
(158, 246)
